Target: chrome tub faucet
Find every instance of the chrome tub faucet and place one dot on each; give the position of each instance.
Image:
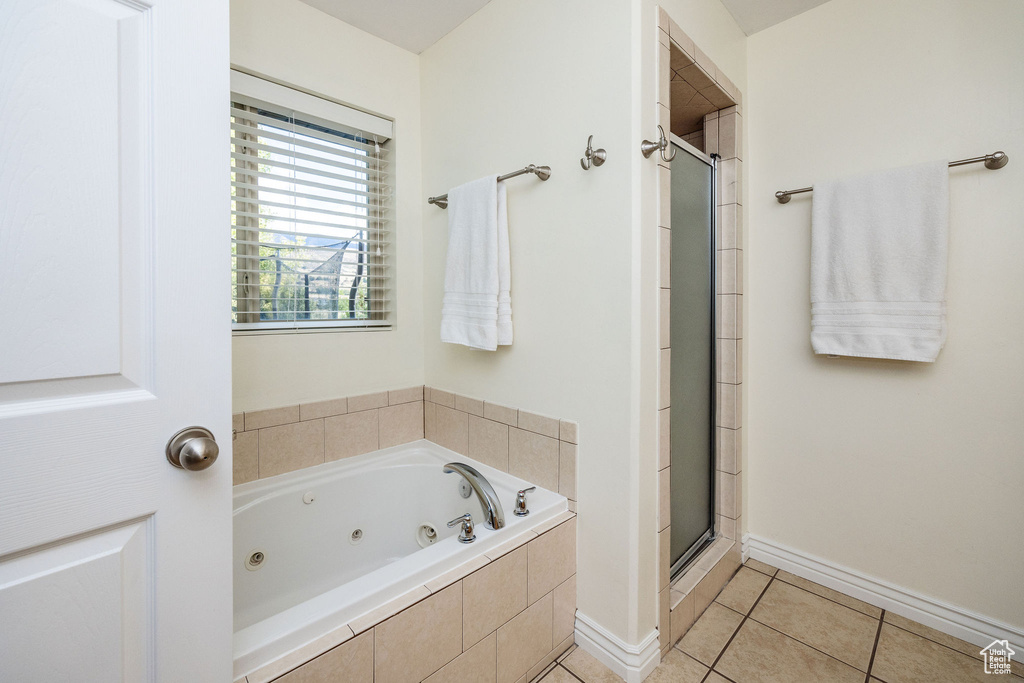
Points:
(494, 516)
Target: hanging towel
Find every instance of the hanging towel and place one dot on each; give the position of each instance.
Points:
(878, 264)
(477, 308)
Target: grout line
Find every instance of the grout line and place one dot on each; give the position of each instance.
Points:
(570, 672)
(797, 640)
(874, 649)
(745, 617)
(953, 649)
(828, 598)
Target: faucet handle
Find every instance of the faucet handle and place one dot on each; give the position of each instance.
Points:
(521, 510)
(466, 535)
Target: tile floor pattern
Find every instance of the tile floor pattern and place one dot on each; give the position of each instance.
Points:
(769, 626)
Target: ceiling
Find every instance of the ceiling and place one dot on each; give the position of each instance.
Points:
(414, 26)
(757, 15)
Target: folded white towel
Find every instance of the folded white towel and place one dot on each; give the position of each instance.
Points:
(878, 264)
(477, 308)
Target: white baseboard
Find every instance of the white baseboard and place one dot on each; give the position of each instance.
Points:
(633, 663)
(964, 624)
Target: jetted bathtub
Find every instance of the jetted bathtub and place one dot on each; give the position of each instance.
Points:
(318, 547)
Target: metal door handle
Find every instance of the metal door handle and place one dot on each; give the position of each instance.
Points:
(193, 448)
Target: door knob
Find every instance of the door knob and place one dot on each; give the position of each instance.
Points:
(193, 448)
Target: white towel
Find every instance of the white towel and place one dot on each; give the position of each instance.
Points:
(878, 264)
(477, 309)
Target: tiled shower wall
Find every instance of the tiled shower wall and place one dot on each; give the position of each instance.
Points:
(691, 593)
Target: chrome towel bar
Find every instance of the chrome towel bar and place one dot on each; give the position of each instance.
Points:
(993, 161)
(542, 172)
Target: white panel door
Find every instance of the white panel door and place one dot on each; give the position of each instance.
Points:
(115, 334)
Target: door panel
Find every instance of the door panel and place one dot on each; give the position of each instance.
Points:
(114, 565)
(692, 343)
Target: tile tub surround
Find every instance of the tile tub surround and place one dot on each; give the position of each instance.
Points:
(539, 449)
(279, 440)
(679, 59)
(505, 621)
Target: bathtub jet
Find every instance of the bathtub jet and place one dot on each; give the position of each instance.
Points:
(494, 516)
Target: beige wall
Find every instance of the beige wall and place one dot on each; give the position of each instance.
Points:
(291, 42)
(910, 473)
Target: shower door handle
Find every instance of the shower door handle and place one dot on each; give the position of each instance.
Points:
(193, 449)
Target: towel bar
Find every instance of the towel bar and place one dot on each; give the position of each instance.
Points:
(993, 161)
(542, 172)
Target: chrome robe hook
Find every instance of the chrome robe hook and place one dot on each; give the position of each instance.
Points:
(647, 148)
(597, 156)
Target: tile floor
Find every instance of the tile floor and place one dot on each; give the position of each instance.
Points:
(768, 626)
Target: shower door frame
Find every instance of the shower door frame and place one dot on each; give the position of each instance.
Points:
(679, 566)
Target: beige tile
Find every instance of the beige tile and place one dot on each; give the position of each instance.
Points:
(245, 458)
(238, 422)
(564, 617)
(697, 76)
(430, 421)
(709, 634)
(711, 585)
(664, 317)
(664, 618)
(665, 121)
(919, 629)
(493, 595)
(827, 626)
(258, 419)
(731, 325)
(762, 567)
(727, 494)
(728, 147)
(729, 408)
(726, 275)
(291, 447)
(664, 498)
(493, 411)
(568, 652)
(367, 401)
(351, 434)
(473, 406)
(567, 469)
(296, 658)
(533, 457)
(725, 238)
(405, 395)
(318, 409)
(678, 668)
(711, 136)
(351, 661)
(550, 524)
(476, 664)
(414, 644)
(548, 426)
(664, 438)
(664, 556)
(524, 640)
(401, 423)
(730, 88)
(664, 68)
(567, 431)
(452, 429)
(743, 590)
(665, 256)
(665, 379)
(904, 657)
(682, 616)
(462, 571)
(442, 398)
(728, 449)
(760, 655)
(588, 669)
(728, 527)
(488, 442)
(546, 664)
(552, 559)
(511, 544)
(365, 622)
(835, 596)
(716, 678)
(557, 675)
(730, 182)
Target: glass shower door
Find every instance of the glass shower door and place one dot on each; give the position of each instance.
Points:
(692, 340)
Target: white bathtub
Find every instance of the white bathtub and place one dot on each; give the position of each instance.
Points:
(314, 578)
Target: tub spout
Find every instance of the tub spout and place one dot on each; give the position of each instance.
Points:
(494, 516)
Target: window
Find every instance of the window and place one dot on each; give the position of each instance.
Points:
(311, 190)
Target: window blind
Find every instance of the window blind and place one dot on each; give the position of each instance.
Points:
(311, 231)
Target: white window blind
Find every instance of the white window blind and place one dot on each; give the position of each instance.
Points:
(311, 231)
